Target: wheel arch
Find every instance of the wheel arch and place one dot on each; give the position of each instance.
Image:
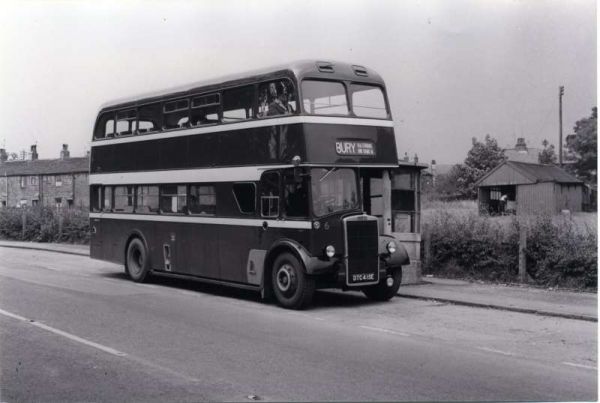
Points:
(132, 235)
(279, 247)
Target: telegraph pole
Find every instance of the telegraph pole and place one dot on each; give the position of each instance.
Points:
(561, 92)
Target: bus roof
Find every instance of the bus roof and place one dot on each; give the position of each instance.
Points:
(300, 69)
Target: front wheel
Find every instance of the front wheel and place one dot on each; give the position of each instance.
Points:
(137, 264)
(291, 286)
(382, 291)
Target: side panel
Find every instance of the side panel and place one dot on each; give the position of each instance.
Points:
(206, 250)
(255, 146)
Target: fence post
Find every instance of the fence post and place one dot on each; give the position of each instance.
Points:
(24, 224)
(60, 227)
(522, 257)
(426, 247)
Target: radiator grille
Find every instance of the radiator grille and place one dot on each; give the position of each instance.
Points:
(362, 266)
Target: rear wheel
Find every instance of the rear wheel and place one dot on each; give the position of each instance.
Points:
(291, 286)
(137, 264)
(383, 291)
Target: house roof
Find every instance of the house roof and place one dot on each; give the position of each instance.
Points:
(536, 173)
(529, 155)
(45, 166)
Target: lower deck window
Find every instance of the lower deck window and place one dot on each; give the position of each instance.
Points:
(124, 196)
(245, 196)
(173, 199)
(147, 199)
(202, 200)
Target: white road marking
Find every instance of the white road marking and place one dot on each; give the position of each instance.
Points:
(493, 350)
(572, 364)
(64, 334)
(382, 330)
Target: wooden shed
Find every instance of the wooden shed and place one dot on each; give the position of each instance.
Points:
(525, 188)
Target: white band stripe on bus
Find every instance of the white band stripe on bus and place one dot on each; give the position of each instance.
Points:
(243, 222)
(206, 175)
(245, 125)
(225, 174)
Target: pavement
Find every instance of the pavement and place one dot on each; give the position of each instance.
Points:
(515, 298)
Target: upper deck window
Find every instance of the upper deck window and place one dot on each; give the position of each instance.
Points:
(238, 104)
(105, 126)
(150, 118)
(324, 97)
(205, 109)
(276, 98)
(177, 114)
(126, 122)
(368, 101)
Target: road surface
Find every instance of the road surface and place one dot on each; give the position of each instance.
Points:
(75, 329)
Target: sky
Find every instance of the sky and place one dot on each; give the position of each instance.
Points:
(454, 70)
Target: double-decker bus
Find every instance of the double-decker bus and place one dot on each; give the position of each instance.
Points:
(260, 181)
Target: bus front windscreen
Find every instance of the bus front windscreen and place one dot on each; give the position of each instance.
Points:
(333, 190)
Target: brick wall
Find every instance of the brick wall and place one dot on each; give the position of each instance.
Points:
(45, 189)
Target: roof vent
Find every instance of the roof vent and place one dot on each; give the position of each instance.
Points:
(360, 71)
(325, 67)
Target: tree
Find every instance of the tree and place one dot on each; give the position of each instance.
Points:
(585, 147)
(548, 154)
(481, 158)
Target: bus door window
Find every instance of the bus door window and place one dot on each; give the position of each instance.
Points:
(238, 104)
(150, 118)
(269, 194)
(177, 114)
(295, 195)
(126, 122)
(205, 109)
(276, 98)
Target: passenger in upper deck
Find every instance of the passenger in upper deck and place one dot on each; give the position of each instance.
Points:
(276, 101)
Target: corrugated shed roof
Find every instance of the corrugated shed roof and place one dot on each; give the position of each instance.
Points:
(537, 173)
(45, 167)
(544, 173)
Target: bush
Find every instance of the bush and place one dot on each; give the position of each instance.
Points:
(45, 224)
(470, 246)
(560, 255)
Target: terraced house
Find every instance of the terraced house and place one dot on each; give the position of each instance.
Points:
(61, 182)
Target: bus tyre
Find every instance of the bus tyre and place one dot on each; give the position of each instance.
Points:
(383, 292)
(137, 264)
(291, 286)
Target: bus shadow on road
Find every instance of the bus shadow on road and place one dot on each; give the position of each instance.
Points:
(323, 298)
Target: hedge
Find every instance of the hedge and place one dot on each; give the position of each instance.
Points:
(470, 246)
(45, 224)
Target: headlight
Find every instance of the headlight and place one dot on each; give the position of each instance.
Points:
(330, 251)
(391, 246)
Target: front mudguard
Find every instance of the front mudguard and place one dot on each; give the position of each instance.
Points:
(312, 264)
(398, 258)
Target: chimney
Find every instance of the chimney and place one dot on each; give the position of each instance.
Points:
(34, 154)
(3, 155)
(64, 153)
(521, 146)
